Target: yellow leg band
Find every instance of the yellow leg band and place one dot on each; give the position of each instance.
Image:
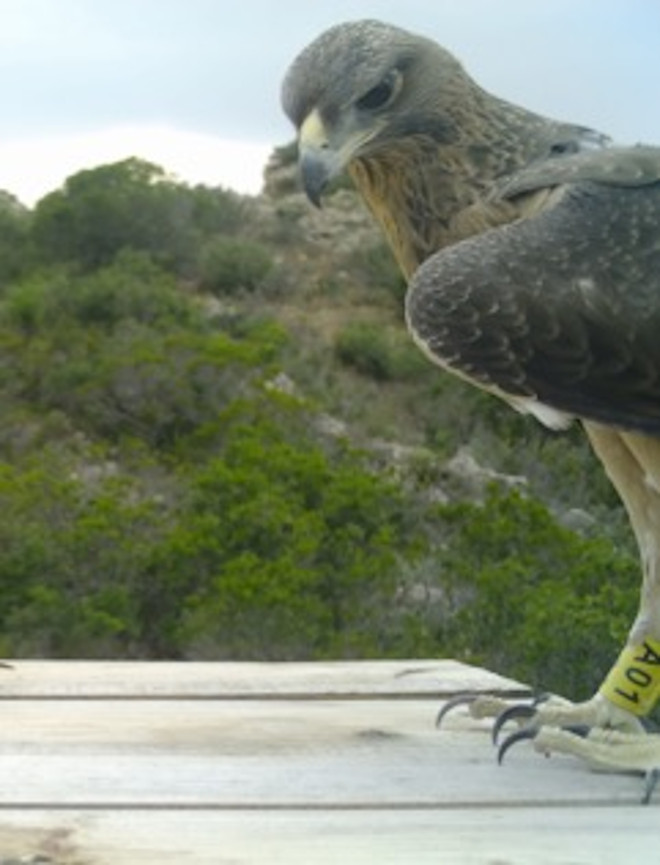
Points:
(633, 683)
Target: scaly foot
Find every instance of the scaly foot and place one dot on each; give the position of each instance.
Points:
(607, 737)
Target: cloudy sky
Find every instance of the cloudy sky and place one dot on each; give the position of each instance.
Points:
(193, 85)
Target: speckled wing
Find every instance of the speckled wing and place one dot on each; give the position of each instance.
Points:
(561, 308)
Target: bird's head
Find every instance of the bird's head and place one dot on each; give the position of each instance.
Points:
(359, 87)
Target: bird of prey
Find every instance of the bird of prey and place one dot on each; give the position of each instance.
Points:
(532, 250)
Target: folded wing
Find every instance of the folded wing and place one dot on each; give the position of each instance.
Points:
(561, 308)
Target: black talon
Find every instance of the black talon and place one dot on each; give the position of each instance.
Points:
(652, 778)
(512, 738)
(511, 714)
(460, 700)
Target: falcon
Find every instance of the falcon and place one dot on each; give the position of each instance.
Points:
(532, 251)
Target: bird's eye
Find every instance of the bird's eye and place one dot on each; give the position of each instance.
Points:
(382, 94)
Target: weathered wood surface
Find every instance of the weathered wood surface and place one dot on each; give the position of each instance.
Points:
(172, 680)
(120, 764)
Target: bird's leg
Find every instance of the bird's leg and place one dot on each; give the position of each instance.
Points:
(609, 730)
(632, 687)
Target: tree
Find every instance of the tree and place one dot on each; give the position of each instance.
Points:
(131, 204)
(14, 228)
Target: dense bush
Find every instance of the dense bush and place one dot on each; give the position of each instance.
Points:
(284, 552)
(376, 269)
(216, 211)
(229, 266)
(269, 548)
(529, 597)
(14, 239)
(143, 383)
(379, 353)
(131, 288)
(70, 553)
(265, 545)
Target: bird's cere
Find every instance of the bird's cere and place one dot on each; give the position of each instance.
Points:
(318, 162)
(313, 134)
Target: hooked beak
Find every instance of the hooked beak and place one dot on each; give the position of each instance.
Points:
(316, 171)
(319, 161)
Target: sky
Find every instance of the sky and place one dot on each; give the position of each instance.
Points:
(193, 85)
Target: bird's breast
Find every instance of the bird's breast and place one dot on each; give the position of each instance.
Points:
(426, 200)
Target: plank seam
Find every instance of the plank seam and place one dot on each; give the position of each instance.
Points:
(512, 694)
(410, 805)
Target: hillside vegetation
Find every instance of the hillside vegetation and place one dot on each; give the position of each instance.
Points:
(219, 442)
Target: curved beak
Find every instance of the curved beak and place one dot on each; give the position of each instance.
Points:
(316, 171)
(319, 161)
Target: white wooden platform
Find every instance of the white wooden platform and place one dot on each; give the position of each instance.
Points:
(228, 764)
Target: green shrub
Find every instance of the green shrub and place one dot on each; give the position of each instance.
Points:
(15, 252)
(156, 386)
(131, 289)
(229, 267)
(215, 211)
(26, 306)
(380, 353)
(283, 552)
(366, 348)
(71, 552)
(530, 598)
(376, 269)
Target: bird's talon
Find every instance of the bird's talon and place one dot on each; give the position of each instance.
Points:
(460, 700)
(517, 712)
(519, 736)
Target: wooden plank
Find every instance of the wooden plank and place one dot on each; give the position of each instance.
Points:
(588, 836)
(213, 680)
(275, 754)
(151, 764)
